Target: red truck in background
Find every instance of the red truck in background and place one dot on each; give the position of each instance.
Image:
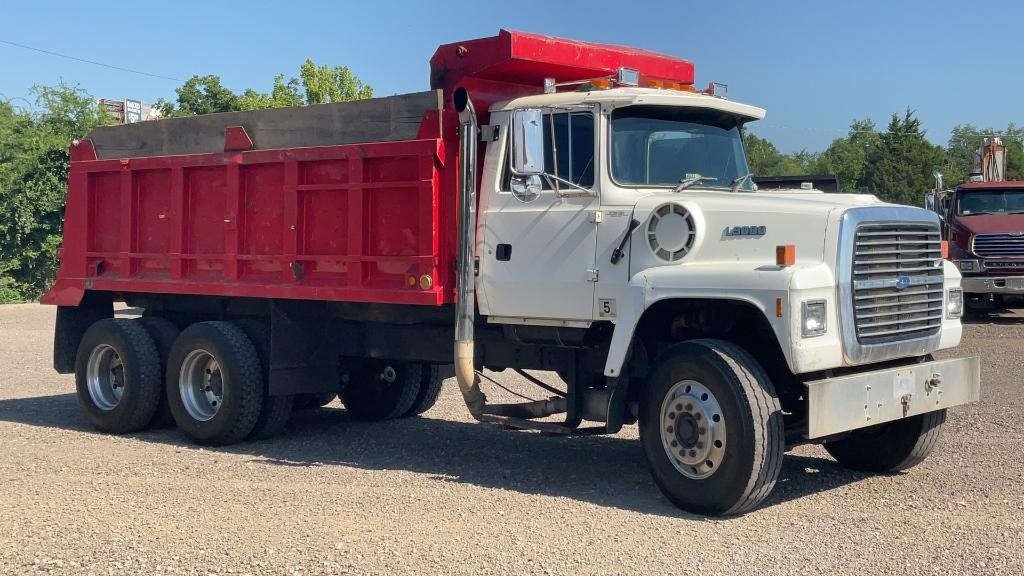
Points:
(983, 220)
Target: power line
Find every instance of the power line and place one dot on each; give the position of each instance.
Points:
(93, 62)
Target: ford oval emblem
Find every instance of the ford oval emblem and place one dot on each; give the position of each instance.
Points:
(902, 282)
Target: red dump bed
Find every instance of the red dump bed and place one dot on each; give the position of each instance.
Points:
(348, 202)
(358, 222)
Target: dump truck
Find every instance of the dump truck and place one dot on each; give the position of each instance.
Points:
(548, 205)
(983, 221)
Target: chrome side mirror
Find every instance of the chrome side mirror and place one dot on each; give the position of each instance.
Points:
(527, 142)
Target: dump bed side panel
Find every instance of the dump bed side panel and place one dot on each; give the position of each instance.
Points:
(359, 223)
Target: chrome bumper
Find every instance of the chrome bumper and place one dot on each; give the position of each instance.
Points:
(850, 402)
(993, 285)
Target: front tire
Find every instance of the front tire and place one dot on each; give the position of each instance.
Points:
(214, 383)
(711, 428)
(117, 376)
(890, 447)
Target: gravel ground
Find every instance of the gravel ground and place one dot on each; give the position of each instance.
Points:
(442, 495)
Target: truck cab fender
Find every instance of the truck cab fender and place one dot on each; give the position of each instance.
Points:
(737, 283)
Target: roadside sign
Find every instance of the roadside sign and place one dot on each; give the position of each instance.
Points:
(132, 111)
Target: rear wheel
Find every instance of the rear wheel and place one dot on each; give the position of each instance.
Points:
(711, 428)
(430, 389)
(215, 383)
(890, 447)
(380, 390)
(164, 333)
(117, 376)
(276, 409)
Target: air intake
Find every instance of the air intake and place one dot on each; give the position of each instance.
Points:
(670, 232)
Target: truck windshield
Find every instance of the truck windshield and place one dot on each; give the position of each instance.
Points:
(662, 145)
(1004, 201)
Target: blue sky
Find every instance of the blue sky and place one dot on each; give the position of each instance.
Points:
(813, 65)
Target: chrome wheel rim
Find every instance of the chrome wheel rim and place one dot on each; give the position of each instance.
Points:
(201, 385)
(104, 377)
(693, 429)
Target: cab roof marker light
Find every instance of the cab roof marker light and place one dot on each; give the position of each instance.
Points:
(627, 77)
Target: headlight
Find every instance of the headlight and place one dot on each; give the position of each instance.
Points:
(813, 318)
(968, 265)
(954, 303)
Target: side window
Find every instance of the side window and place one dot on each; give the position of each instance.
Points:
(568, 149)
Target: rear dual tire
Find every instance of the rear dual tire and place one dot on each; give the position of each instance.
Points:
(215, 383)
(118, 376)
(381, 390)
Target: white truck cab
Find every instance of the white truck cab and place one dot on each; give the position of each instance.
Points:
(633, 210)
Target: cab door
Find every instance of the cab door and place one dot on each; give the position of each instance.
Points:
(537, 251)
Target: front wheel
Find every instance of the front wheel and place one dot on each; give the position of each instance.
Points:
(890, 447)
(711, 428)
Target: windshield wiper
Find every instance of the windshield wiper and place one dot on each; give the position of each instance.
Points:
(690, 182)
(738, 181)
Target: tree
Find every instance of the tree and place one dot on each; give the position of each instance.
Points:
(766, 160)
(846, 157)
(318, 85)
(964, 141)
(338, 84)
(201, 95)
(901, 163)
(33, 183)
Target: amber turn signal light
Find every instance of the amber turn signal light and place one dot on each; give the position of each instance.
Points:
(785, 255)
(945, 249)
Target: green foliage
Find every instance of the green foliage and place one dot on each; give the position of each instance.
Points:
(846, 158)
(902, 162)
(964, 141)
(766, 160)
(201, 95)
(338, 84)
(315, 85)
(33, 181)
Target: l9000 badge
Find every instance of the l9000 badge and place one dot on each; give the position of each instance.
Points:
(746, 230)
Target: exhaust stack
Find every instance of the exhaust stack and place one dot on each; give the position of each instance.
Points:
(465, 309)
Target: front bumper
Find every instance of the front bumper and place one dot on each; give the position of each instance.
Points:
(993, 284)
(855, 401)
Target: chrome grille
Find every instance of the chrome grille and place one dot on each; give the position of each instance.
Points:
(999, 245)
(897, 281)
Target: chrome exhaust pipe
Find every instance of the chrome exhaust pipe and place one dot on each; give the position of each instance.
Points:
(465, 307)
